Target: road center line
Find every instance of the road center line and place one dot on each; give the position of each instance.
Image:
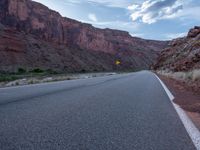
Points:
(188, 124)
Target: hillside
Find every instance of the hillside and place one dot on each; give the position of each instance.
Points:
(183, 54)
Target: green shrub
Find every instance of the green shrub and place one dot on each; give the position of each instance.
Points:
(31, 82)
(4, 78)
(83, 71)
(37, 70)
(21, 70)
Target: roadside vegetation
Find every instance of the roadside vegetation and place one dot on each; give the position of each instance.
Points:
(193, 75)
(6, 77)
(23, 73)
(37, 75)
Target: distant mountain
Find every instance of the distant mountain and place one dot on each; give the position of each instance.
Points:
(183, 54)
(33, 36)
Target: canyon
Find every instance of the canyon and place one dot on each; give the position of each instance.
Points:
(34, 36)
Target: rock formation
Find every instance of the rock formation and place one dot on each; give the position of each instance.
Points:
(32, 35)
(183, 54)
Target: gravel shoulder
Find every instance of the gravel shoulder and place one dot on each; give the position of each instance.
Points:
(187, 96)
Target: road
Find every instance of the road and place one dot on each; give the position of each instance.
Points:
(118, 112)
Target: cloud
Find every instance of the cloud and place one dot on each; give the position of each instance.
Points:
(150, 11)
(114, 24)
(118, 24)
(141, 35)
(112, 3)
(133, 7)
(107, 3)
(170, 36)
(191, 13)
(92, 17)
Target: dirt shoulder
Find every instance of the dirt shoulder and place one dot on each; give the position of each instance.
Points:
(187, 95)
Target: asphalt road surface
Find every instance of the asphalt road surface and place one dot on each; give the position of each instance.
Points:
(119, 112)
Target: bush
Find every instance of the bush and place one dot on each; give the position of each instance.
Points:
(31, 82)
(21, 71)
(83, 71)
(37, 70)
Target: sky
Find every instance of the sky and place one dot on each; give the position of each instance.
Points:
(149, 19)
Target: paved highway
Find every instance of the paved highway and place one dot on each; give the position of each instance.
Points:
(119, 112)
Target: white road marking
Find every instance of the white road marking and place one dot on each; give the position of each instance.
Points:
(171, 97)
(192, 130)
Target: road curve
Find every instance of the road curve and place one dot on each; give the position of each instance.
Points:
(119, 112)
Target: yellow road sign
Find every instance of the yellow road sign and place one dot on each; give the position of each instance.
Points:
(117, 62)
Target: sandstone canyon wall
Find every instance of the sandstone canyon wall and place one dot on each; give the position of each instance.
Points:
(32, 35)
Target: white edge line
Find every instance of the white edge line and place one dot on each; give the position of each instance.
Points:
(192, 130)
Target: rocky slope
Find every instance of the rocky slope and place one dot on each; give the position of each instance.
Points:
(32, 35)
(183, 54)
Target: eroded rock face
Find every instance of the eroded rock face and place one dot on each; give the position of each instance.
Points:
(21, 50)
(18, 8)
(183, 54)
(194, 32)
(37, 20)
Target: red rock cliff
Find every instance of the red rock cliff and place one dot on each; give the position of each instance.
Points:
(36, 19)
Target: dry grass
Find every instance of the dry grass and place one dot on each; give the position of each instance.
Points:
(193, 75)
(196, 75)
